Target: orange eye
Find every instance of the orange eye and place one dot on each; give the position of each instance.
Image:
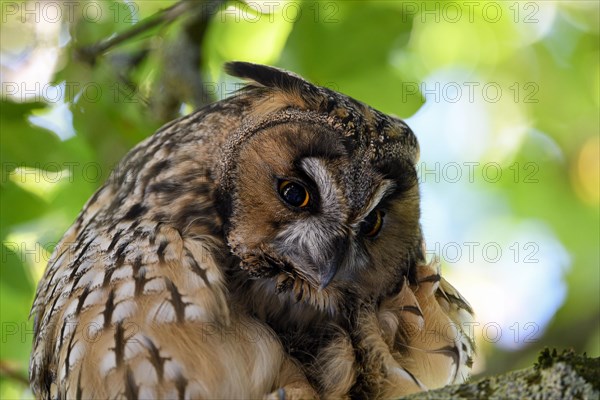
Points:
(294, 194)
(372, 223)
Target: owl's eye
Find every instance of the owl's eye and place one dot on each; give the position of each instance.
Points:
(372, 223)
(293, 193)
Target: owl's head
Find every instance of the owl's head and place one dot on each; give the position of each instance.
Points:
(319, 191)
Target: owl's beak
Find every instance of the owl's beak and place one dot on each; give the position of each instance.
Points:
(331, 268)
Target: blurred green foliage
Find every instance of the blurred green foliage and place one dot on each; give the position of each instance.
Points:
(61, 136)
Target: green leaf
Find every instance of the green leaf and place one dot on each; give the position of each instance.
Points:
(24, 144)
(16, 295)
(334, 46)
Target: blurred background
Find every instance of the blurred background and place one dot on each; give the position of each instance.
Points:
(503, 96)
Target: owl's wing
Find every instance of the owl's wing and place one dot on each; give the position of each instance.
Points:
(143, 313)
(428, 327)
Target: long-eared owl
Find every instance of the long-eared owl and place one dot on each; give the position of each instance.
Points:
(267, 245)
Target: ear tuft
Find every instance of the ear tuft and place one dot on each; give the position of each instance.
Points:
(266, 76)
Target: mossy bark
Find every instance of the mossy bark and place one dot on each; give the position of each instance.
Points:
(554, 376)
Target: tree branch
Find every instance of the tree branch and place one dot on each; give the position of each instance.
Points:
(12, 373)
(89, 54)
(554, 376)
